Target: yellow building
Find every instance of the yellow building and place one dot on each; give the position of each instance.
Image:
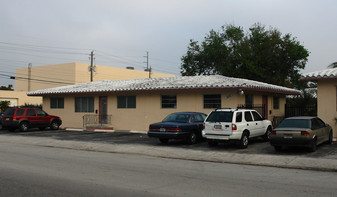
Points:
(42, 77)
(134, 104)
(326, 95)
(18, 98)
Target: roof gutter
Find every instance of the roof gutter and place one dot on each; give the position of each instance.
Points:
(244, 88)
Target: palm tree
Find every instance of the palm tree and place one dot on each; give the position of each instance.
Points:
(333, 65)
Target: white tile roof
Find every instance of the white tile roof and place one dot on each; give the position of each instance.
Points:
(166, 83)
(322, 74)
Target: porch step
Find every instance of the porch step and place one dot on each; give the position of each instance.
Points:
(99, 129)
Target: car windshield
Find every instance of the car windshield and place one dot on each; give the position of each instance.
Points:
(295, 123)
(177, 118)
(220, 116)
(9, 112)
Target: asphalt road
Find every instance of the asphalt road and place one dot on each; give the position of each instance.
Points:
(256, 146)
(27, 170)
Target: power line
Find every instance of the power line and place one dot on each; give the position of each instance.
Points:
(35, 55)
(32, 50)
(26, 78)
(41, 46)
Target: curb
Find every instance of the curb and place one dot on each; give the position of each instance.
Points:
(105, 130)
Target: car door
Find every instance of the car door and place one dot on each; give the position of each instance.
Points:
(251, 126)
(325, 129)
(258, 121)
(321, 134)
(42, 118)
(31, 117)
(198, 120)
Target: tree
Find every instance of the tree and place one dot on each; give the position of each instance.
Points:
(4, 105)
(333, 65)
(10, 87)
(260, 54)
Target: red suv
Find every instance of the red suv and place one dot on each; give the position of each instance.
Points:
(25, 118)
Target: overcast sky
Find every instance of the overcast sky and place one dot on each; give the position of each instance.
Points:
(44, 32)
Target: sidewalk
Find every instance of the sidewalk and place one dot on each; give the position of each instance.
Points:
(294, 162)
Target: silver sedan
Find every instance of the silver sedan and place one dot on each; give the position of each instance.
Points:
(301, 131)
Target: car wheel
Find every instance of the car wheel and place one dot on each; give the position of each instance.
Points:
(163, 140)
(278, 148)
(244, 140)
(192, 139)
(212, 143)
(330, 138)
(1, 127)
(23, 126)
(267, 134)
(313, 146)
(54, 125)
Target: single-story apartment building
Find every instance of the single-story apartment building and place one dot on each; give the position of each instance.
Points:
(326, 95)
(134, 104)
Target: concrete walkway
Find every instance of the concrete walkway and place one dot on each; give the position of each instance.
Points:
(295, 162)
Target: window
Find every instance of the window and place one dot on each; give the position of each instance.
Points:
(276, 102)
(19, 112)
(40, 112)
(126, 101)
(239, 117)
(56, 102)
(177, 117)
(84, 104)
(212, 101)
(10, 111)
(248, 116)
(314, 124)
(295, 123)
(220, 116)
(320, 123)
(168, 101)
(30, 112)
(197, 118)
(249, 100)
(257, 116)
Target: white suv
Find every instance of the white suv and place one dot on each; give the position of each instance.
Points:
(235, 124)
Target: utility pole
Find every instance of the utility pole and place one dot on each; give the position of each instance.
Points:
(147, 64)
(29, 75)
(91, 68)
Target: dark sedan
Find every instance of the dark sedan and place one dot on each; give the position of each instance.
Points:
(1, 114)
(301, 131)
(182, 125)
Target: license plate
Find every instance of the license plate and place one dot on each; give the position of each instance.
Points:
(7, 118)
(217, 127)
(162, 129)
(287, 136)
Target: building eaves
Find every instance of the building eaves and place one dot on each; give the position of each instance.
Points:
(322, 74)
(167, 83)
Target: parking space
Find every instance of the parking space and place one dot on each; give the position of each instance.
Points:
(256, 146)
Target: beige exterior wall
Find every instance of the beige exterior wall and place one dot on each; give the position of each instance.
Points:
(148, 108)
(18, 98)
(111, 73)
(62, 73)
(326, 102)
(74, 73)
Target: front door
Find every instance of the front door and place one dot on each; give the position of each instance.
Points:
(103, 105)
(265, 106)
